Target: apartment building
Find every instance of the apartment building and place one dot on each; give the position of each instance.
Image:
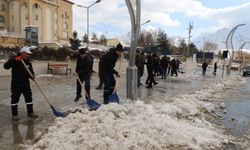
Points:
(52, 17)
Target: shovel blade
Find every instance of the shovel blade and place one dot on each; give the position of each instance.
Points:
(113, 98)
(57, 113)
(92, 104)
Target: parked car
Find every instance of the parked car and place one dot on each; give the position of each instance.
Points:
(246, 70)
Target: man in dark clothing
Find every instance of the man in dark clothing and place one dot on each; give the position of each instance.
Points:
(139, 63)
(100, 74)
(84, 66)
(178, 62)
(142, 64)
(173, 67)
(164, 67)
(150, 68)
(215, 68)
(108, 65)
(204, 68)
(20, 82)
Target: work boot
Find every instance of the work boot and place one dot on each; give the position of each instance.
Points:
(15, 118)
(149, 86)
(77, 98)
(33, 116)
(98, 88)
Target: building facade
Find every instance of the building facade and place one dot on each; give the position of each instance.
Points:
(52, 17)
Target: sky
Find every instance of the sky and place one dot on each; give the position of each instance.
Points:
(111, 17)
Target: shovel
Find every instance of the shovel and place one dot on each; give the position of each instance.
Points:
(92, 104)
(113, 98)
(56, 113)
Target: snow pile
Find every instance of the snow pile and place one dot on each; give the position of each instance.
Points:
(176, 125)
(203, 99)
(129, 126)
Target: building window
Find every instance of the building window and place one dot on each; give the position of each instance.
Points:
(12, 17)
(65, 15)
(1, 27)
(35, 5)
(36, 17)
(65, 26)
(3, 7)
(1, 19)
(12, 29)
(65, 35)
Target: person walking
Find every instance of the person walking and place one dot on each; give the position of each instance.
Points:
(139, 63)
(178, 62)
(215, 68)
(204, 68)
(20, 83)
(84, 66)
(164, 67)
(173, 67)
(150, 68)
(108, 65)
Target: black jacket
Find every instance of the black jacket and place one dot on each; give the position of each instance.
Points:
(164, 63)
(150, 63)
(108, 62)
(20, 76)
(84, 65)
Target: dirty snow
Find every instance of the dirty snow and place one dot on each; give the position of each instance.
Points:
(178, 124)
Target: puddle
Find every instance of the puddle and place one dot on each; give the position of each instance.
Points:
(237, 117)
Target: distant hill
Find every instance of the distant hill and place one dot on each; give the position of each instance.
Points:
(241, 35)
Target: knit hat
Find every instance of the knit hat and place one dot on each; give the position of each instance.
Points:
(26, 49)
(119, 47)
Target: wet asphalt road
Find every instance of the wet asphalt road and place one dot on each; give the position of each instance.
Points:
(61, 91)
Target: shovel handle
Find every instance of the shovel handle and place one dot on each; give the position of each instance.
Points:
(78, 79)
(45, 97)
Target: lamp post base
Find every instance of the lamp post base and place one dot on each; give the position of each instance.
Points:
(132, 88)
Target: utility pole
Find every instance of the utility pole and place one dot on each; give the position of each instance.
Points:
(88, 7)
(189, 36)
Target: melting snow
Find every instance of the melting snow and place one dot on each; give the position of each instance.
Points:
(179, 124)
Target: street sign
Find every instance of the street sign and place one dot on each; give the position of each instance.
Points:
(31, 35)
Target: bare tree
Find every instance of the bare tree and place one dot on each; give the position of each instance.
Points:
(210, 46)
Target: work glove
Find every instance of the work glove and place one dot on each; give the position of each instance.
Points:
(18, 58)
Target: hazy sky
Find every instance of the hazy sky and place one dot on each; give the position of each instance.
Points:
(111, 17)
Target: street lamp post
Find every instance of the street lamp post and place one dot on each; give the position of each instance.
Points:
(87, 7)
(134, 8)
(140, 35)
(189, 36)
(145, 22)
(204, 47)
(229, 40)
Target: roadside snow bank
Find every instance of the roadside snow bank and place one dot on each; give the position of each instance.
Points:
(176, 125)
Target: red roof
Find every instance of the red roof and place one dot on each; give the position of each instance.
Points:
(69, 1)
